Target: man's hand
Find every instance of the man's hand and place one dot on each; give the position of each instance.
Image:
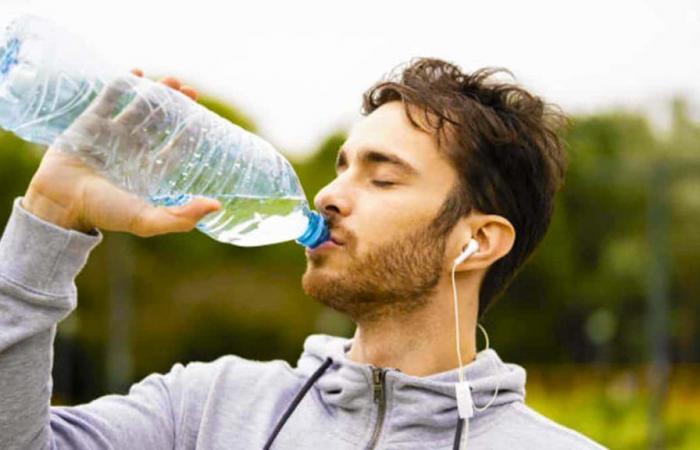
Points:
(71, 194)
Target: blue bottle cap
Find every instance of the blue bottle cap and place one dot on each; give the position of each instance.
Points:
(316, 233)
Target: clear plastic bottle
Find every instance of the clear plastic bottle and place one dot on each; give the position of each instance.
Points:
(148, 138)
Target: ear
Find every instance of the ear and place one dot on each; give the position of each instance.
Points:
(495, 235)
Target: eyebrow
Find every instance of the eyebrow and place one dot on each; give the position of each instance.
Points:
(370, 156)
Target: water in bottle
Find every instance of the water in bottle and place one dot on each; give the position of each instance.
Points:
(149, 139)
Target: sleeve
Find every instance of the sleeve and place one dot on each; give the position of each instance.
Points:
(38, 265)
(143, 419)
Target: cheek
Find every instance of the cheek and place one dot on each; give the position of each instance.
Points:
(378, 221)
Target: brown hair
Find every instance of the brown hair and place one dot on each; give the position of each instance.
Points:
(503, 141)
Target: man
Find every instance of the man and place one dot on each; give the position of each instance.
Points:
(441, 159)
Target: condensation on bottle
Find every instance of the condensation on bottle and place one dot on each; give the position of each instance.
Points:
(149, 139)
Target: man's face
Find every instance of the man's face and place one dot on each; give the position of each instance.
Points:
(390, 186)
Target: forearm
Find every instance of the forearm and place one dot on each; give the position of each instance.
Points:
(38, 265)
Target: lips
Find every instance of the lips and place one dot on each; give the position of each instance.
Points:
(327, 245)
(336, 240)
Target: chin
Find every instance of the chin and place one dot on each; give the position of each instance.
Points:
(319, 282)
(313, 277)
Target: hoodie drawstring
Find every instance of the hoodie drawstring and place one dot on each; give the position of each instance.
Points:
(300, 395)
(458, 433)
(302, 392)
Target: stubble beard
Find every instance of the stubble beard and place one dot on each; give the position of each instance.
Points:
(396, 278)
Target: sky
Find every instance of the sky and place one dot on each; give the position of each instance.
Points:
(298, 68)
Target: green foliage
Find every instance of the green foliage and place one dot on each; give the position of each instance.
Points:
(595, 257)
(319, 169)
(581, 297)
(18, 161)
(612, 405)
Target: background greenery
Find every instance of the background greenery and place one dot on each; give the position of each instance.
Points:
(576, 317)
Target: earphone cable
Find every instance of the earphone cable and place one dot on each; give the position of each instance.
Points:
(459, 343)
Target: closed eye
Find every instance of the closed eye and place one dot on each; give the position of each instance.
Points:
(381, 183)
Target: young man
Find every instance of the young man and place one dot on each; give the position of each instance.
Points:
(441, 159)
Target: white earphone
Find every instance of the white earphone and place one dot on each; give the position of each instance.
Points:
(471, 248)
(465, 403)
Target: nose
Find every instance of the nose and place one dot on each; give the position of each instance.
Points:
(333, 201)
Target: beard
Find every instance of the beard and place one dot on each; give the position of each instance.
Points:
(396, 278)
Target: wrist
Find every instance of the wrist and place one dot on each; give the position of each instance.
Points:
(51, 211)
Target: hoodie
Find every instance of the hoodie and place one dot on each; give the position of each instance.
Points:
(326, 401)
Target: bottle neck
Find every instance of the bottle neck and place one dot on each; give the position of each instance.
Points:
(316, 232)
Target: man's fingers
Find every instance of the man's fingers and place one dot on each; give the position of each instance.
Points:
(195, 209)
(106, 102)
(190, 92)
(148, 102)
(173, 219)
(176, 84)
(87, 136)
(171, 82)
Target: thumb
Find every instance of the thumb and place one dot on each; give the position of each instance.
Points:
(174, 219)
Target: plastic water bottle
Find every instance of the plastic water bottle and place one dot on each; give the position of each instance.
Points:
(148, 138)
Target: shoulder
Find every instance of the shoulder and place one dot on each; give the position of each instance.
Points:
(528, 428)
(233, 367)
(231, 374)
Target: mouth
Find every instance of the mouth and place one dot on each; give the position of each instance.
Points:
(336, 240)
(332, 243)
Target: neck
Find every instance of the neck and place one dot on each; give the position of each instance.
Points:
(421, 342)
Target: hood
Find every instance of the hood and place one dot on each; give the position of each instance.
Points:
(430, 400)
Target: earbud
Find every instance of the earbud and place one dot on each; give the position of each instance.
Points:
(471, 248)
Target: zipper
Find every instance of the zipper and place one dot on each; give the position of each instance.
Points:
(379, 396)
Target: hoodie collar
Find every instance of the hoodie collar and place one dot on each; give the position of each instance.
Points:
(348, 384)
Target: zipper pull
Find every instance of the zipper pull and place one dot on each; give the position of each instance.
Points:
(378, 383)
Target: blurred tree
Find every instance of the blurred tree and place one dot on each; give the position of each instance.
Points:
(580, 298)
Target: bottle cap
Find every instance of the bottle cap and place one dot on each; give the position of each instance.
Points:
(316, 233)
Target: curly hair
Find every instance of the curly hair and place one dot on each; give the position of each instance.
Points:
(504, 142)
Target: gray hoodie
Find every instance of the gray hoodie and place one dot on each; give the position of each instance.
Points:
(326, 402)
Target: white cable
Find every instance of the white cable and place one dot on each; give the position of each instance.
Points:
(486, 336)
(498, 383)
(459, 344)
(456, 306)
(495, 394)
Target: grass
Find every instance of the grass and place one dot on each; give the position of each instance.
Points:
(612, 405)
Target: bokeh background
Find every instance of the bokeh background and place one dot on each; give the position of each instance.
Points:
(606, 315)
